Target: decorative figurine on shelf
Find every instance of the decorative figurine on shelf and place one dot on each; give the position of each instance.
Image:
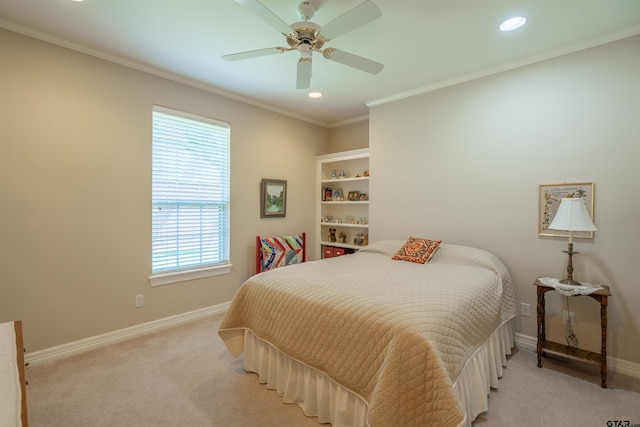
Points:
(343, 237)
(342, 174)
(334, 174)
(332, 234)
(366, 173)
(361, 239)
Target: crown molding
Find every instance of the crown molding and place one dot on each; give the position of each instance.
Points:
(618, 35)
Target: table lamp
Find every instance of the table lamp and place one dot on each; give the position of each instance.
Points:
(572, 216)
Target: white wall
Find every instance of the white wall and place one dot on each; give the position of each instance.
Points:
(463, 164)
(75, 190)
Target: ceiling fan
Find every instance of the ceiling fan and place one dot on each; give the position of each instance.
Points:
(307, 37)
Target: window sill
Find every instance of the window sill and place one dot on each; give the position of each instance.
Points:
(181, 276)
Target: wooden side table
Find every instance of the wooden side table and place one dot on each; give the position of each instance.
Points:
(574, 353)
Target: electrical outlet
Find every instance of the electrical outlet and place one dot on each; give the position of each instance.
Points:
(139, 301)
(566, 315)
(524, 309)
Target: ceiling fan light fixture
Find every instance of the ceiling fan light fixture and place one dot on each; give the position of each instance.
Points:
(305, 37)
(304, 50)
(513, 23)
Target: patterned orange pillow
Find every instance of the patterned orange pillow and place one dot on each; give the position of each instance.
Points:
(417, 250)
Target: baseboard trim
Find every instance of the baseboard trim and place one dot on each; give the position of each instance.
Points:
(522, 341)
(613, 364)
(81, 346)
(526, 342)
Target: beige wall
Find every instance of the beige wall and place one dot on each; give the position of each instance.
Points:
(75, 183)
(463, 164)
(75, 189)
(349, 137)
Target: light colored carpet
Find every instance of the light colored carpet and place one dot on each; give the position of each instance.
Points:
(184, 376)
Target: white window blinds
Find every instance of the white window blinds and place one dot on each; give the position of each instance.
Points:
(190, 193)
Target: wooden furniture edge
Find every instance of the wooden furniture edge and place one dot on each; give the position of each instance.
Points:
(17, 327)
(573, 353)
(600, 296)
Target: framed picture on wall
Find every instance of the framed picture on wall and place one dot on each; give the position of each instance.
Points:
(549, 197)
(273, 198)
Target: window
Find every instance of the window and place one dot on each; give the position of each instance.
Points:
(190, 197)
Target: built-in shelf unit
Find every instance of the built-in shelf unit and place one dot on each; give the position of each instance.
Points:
(343, 201)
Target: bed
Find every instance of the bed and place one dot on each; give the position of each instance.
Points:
(366, 340)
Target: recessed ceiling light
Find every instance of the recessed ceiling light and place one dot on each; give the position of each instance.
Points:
(513, 23)
(315, 94)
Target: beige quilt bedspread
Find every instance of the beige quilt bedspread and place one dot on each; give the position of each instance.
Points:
(396, 333)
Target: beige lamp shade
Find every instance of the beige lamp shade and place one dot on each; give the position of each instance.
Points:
(572, 215)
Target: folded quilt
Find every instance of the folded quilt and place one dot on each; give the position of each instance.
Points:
(280, 251)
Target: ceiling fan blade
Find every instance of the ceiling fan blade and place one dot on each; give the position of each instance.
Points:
(266, 15)
(303, 79)
(354, 18)
(352, 60)
(253, 53)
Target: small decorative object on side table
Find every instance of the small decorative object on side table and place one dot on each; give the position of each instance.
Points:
(600, 294)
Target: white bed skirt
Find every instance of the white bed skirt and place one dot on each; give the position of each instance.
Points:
(320, 396)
